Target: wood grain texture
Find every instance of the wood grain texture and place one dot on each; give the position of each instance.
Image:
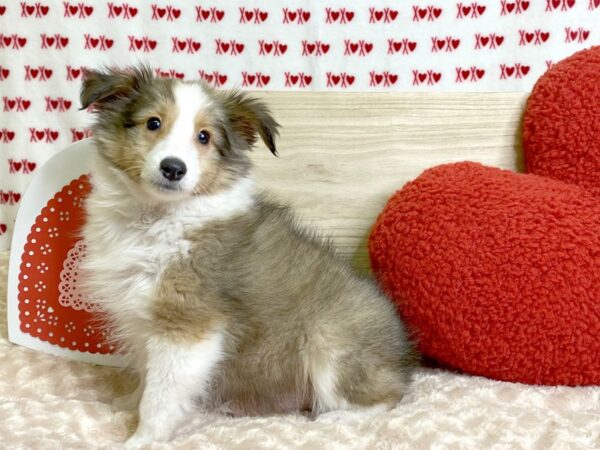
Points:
(342, 155)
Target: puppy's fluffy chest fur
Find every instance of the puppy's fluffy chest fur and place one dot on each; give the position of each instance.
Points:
(129, 244)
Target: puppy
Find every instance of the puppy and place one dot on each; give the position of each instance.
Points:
(214, 291)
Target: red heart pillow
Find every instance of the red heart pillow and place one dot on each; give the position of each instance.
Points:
(561, 127)
(497, 273)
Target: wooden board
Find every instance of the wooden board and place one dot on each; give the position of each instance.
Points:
(343, 155)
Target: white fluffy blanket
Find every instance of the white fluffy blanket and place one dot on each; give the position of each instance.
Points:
(48, 402)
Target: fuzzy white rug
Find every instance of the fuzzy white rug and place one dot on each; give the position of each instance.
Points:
(47, 402)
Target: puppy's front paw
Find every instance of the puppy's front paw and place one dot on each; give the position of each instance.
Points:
(138, 440)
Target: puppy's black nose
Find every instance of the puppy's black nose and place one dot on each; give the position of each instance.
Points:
(173, 169)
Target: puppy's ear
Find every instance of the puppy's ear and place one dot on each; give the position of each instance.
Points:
(248, 117)
(103, 87)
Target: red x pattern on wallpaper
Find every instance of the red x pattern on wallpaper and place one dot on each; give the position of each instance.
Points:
(418, 45)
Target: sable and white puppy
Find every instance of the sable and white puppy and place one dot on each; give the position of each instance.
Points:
(218, 295)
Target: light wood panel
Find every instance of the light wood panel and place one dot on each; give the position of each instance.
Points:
(343, 154)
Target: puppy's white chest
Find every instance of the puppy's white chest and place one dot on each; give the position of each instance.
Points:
(127, 257)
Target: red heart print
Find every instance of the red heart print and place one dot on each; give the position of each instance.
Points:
(466, 10)
(480, 73)
(528, 36)
(412, 45)
(161, 12)
(7, 40)
(222, 79)
(354, 47)
(283, 48)
(220, 14)
(75, 73)
(525, 70)
(349, 16)
(291, 16)
(31, 166)
(480, 9)
(248, 15)
(195, 45)
(152, 44)
(499, 40)
(54, 135)
(324, 48)
(510, 7)
(2, 228)
(422, 77)
(181, 45)
(49, 41)
(306, 16)
(17, 166)
(29, 9)
(263, 16)
(40, 134)
(12, 104)
(133, 11)
(437, 12)
(44, 10)
(350, 79)
(546, 35)
(94, 42)
(251, 79)
(176, 13)
(5, 73)
(67, 104)
(265, 79)
(118, 10)
(22, 41)
(64, 41)
(307, 79)
(465, 74)
(524, 5)
(437, 76)
(224, 47)
(26, 104)
(10, 135)
(393, 14)
(335, 15)
(2, 10)
(239, 48)
(16, 197)
(510, 71)
(440, 43)
(54, 104)
(335, 79)
(378, 15)
(393, 78)
(48, 73)
(88, 10)
(397, 46)
(422, 13)
(109, 43)
(368, 47)
(484, 40)
(294, 79)
(268, 48)
(378, 78)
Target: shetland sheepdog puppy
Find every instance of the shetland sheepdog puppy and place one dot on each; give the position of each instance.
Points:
(215, 292)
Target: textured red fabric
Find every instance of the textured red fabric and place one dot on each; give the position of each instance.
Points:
(561, 127)
(497, 273)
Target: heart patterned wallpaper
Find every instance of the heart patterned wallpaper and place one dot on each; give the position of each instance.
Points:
(419, 45)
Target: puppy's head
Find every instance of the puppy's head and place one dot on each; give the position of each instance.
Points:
(172, 138)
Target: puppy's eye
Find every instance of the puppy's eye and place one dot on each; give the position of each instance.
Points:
(153, 123)
(203, 137)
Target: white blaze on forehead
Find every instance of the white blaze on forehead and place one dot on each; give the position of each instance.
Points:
(180, 142)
